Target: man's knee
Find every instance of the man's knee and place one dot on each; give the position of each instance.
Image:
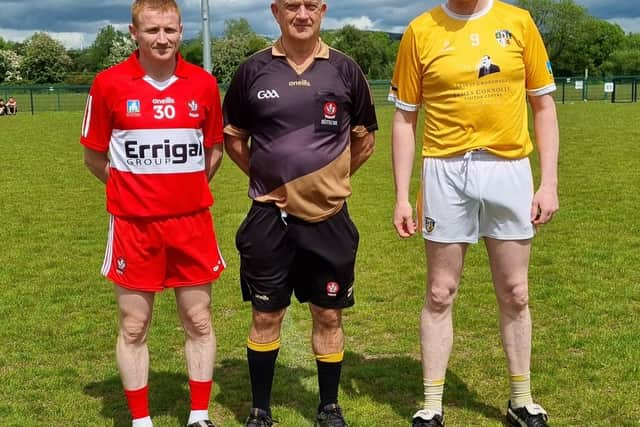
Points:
(265, 326)
(515, 296)
(133, 330)
(441, 295)
(197, 322)
(327, 319)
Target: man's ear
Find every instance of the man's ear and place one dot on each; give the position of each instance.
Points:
(132, 33)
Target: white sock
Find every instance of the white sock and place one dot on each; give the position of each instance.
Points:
(142, 422)
(195, 416)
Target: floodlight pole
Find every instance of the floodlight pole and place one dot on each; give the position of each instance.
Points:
(206, 36)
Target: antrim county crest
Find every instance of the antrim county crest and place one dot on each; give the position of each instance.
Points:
(503, 37)
(429, 224)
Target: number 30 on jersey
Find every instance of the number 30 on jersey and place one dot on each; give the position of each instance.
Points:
(164, 112)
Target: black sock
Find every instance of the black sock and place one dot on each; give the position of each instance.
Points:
(328, 381)
(261, 368)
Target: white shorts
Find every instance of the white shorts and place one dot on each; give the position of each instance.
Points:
(476, 195)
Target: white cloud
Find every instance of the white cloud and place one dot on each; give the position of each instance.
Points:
(629, 25)
(362, 23)
(70, 40)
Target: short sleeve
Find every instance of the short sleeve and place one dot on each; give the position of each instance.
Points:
(96, 124)
(364, 112)
(212, 128)
(538, 71)
(406, 84)
(235, 101)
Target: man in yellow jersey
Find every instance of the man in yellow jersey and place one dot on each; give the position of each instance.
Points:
(473, 64)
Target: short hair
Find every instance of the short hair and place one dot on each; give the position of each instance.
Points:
(162, 5)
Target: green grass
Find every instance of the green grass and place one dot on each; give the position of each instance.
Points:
(58, 332)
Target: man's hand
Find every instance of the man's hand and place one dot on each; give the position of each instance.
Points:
(545, 204)
(403, 220)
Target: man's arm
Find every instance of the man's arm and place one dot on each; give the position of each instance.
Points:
(237, 148)
(403, 139)
(545, 124)
(98, 163)
(212, 160)
(361, 149)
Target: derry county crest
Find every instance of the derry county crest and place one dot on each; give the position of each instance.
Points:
(333, 288)
(193, 109)
(330, 109)
(121, 265)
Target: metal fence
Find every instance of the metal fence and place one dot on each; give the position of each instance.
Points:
(614, 89)
(37, 99)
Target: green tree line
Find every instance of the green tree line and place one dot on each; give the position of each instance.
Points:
(575, 40)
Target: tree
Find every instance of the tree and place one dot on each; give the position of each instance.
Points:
(237, 28)
(3, 68)
(373, 51)
(229, 53)
(120, 50)
(110, 47)
(561, 23)
(623, 62)
(12, 63)
(192, 50)
(238, 43)
(5, 44)
(594, 43)
(599, 40)
(626, 59)
(45, 59)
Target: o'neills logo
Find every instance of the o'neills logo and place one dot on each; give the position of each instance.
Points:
(164, 153)
(164, 101)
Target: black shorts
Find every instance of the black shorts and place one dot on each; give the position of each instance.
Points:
(282, 255)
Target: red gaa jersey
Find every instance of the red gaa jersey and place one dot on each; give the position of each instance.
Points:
(155, 134)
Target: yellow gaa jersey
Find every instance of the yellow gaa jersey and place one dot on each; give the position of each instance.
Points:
(472, 75)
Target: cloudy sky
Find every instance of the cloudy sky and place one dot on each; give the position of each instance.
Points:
(75, 22)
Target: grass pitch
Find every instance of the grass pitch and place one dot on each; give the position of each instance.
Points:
(57, 337)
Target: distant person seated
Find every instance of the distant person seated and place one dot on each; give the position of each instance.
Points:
(3, 107)
(11, 106)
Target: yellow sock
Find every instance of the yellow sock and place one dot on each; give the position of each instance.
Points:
(521, 390)
(433, 391)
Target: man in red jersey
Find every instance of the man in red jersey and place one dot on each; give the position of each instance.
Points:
(152, 132)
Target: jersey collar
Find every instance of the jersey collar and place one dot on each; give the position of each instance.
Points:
(278, 50)
(138, 72)
(459, 17)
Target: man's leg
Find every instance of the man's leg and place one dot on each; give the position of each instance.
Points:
(509, 267)
(194, 304)
(327, 342)
(132, 354)
(444, 268)
(263, 346)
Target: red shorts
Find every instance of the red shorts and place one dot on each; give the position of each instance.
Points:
(153, 254)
